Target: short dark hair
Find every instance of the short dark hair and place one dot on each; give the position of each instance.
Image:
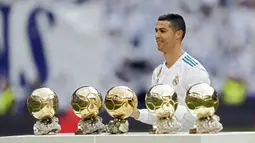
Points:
(177, 21)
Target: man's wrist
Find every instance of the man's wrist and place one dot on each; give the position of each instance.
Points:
(136, 114)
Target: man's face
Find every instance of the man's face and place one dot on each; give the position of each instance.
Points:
(165, 36)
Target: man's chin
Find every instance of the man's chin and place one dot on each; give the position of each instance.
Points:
(160, 49)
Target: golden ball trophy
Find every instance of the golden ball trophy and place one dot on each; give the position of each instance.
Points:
(43, 103)
(86, 102)
(162, 101)
(120, 102)
(202, 101)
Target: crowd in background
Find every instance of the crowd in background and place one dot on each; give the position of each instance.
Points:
(220, 34)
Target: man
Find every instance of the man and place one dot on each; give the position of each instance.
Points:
(179, 69)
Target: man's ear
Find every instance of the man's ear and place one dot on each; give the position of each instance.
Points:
(178, 35)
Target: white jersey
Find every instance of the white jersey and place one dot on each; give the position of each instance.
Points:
(186, 72)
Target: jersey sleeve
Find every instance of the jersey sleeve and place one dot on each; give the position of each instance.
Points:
(196, 76)
(146, 117)
(181, 114)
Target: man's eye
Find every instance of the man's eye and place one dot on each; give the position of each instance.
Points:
(162, 31)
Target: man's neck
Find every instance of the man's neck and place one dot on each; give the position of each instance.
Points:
(173, 56)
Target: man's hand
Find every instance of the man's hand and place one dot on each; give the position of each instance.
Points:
(135, 114)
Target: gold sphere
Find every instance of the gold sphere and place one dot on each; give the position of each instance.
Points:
(42, 103)
(161, 100)
(120, 102)
(202, 100)
(86, 102)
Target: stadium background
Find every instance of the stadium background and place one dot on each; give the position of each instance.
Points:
(65, 44)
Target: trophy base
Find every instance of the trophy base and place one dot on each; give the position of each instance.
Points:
(117, 126)
(90, 126)
(48, 126)
(78, 132)
(152, 131)
(166, 126)
(193, 131)
(208, 125)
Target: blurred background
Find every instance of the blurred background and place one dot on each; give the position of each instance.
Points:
(65, 44)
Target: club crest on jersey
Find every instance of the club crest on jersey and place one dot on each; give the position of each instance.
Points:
(176, 80)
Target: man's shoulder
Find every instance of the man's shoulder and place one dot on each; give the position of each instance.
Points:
(191, 64)
(194, 72)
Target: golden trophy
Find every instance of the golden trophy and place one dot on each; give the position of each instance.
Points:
(43, 103)
(202, 101)
(120, 102)
(86, 102)
(162, 101)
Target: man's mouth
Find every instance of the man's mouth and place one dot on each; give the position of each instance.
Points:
(159, 42)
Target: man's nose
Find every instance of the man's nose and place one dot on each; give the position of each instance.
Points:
(157, 35)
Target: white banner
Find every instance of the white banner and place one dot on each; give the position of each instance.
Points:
(58, 44)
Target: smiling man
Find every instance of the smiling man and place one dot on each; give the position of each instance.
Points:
(180, 70)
